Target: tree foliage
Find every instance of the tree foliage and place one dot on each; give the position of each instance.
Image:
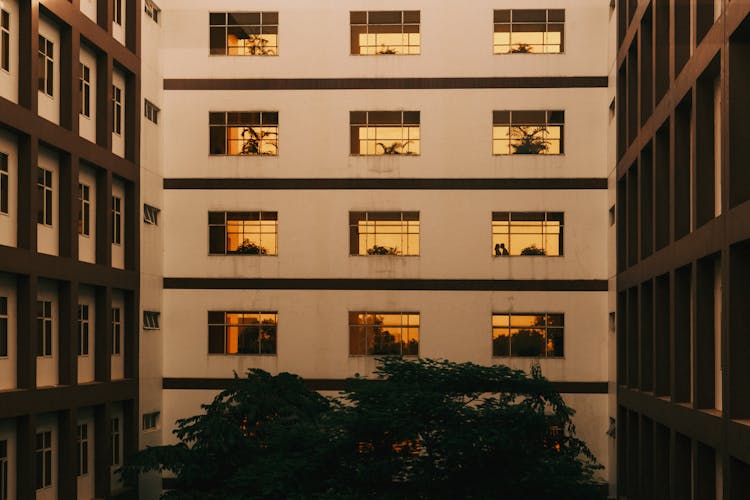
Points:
(422, 429)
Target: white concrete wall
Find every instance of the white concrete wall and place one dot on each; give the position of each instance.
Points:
(9, 221)
(8, 363)
(87, 124)
(48, 237)
(118, 364)
(85, 483)
(118, 140)
(47, 366)
(49, 106)
(89, 8)
(87, 244)
(118, 249)
(8, 433)
(9, 79)
(87, 295)
(48, 422)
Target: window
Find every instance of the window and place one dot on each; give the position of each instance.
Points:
(3, 329)
(527, 132)
(43, 459)
(116, 110)
(247, 233)
(3, 469)
(150, 215)
(115, 441)
(385, 32)
(4, 183)
(150, 111)
(527, 233)
(84, 216)
(4, 53)
(116, 330)
(82, 463)
(150, 320)
(527, 335)
(381, 333)
(44, 196)
(44, 328)
(254, 133)
(529, 31)
(46, 62)
(244, 33)
(242, 332)
(152, 10)
(384, 233)
(83, 329)
(116, 220)
(150, 420)
(117, 11)
(85, 85)
(384, 132)
(612, 215)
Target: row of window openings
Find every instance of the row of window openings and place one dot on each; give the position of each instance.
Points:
(516, 31)
(256, 133)
(387, 333)
(44, 328)
(387, 233)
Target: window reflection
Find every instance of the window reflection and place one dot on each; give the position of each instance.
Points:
(242, 332)
(252, 133)
(527, 335)
(384, 233)
(249, 233)
(244, 33)
(383, 333)
(527, 132)
(528, 233)
(385, 32)
(529, 31)
(384, 132)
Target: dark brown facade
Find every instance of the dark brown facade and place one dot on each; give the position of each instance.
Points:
(28, 402)
(683, 249)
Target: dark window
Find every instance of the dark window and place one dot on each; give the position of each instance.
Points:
(241, 332)
(244, 33)
(116, 330)
(82, 462)
(527, 31)
(384, 132)
(383, 333)
(150, 111)
(385, 32)
(43, 460)
(117, 11)
(150, 320)
(46, 61)
(4, 183)
(527, 132)
(151, 215)
(150, 420)
(84, 216)
(3, 329)
(44, 328)
(152, 10)
(116, 109)
(528, 335)
(4, 48)
(527, 233)
(116, 220)
(44, 196)
(115, 441)
(384, 233)
(85, 86)
(248, 233)
(83, 329)
(253, 133)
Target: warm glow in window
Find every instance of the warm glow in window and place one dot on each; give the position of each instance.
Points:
(527, 335)
(527, 31)
(383, 333)
(384, 132)
(251, 133)
(244, 33)
(385, 32)
(527, 132)
(249, 233)
(384, 233)
(242, 332)
(527, 233)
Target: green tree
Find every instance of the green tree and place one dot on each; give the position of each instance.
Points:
(421, 429)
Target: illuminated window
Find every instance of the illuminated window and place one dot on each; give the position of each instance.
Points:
(152, 10)
(150, 111)
(4, 183)
(43, 328)
(4, 41)
(43, 460)
(527, 132)
(3, 327)
(383, 333)
(85, 87)
(384, 132)
(3, 469)
(527, 233)
(247, 233)
(116, 220)
(150, 215)
(115, 440)
(241, 332)
(82, 462)
(116, 331)
(385, 32)
(253, 133)
(44, 196)
(150, 320)
(84, 215)
(527, 335)
(116, 109)
(83, 329)
(384, 233)
(244, 33)
(529, 31)
(46, 61)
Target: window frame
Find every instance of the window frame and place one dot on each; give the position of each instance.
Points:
(43, 460)
(545, 327)
(84, 328)
(116, 110)
(546, 218)
(152, 10)
(551, 119)
(151, 111)
(510, 23)
(214, 25)
(116, 331)
(361, 20)
(214, 228)
(46, 59)
(150, 421)
(4, 322)
(84, 215)
(117, 12)
(401, 326)
(377, 120)
(45, 196)
(85, 87)
(5, 40)
(44, 332)
(266, 125)
(115, 423)
(82, 450)
(4, 184)
(405, 218)
(151, 320)
(218, 327)
(151, 214)
(116, 220)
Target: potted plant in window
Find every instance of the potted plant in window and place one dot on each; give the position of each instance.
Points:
(395, 148)
(250, 248)
(381, 250)
(533, 250)
(528, 140)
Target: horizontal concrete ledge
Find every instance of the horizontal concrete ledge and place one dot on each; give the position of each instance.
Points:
(328, 384)
(385, 284)
(431, 184)
(503, 82)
